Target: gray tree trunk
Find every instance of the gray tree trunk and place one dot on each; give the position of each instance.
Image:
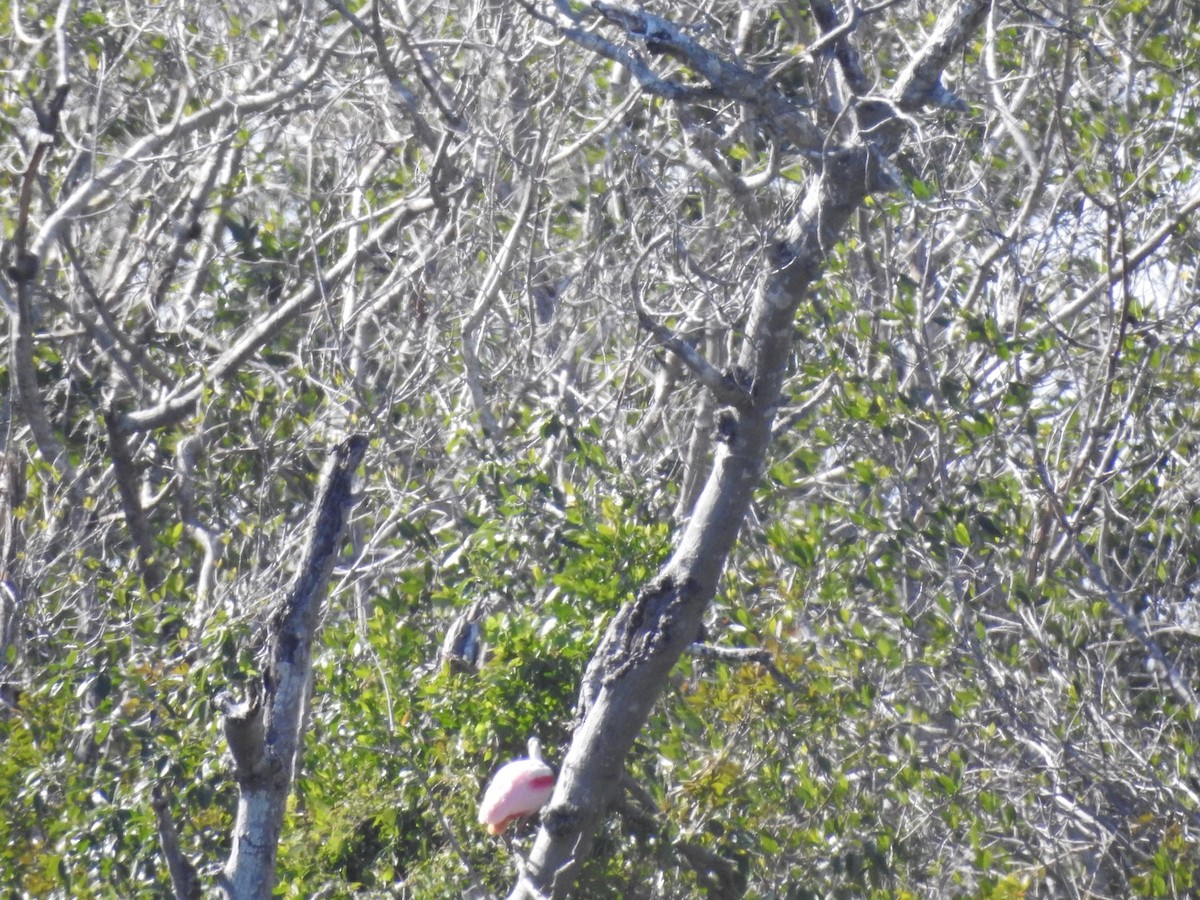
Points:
(648, 634)
(266, 730)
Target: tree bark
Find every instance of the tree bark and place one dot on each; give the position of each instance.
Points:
(185, 881)
(648, 635)
(265, 731)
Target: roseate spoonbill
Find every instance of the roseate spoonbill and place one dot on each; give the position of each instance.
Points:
(518, 789)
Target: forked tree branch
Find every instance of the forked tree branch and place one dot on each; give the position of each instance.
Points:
(649, 634)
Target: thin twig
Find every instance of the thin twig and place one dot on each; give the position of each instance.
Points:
(724, 385)
(1132, 623)
(737, 655)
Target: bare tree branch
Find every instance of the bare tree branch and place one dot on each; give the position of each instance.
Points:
(1128, 617)
(180, 404)
(742, 655)
(723, 385)
(920, 84)
(184, 878)
(239, 106)
(267, 739)
(127, 480)
(24, 271)
(648, 634)
(781, 113)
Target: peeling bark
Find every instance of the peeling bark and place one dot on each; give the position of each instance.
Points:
(266, 734)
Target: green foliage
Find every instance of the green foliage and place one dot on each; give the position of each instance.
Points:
(978, 518)
(76, 797)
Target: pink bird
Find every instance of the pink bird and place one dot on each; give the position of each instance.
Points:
(519, 789)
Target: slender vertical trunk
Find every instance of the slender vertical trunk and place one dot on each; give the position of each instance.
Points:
(266, 730)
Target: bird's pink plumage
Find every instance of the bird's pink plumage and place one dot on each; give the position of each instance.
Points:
(519, 788)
